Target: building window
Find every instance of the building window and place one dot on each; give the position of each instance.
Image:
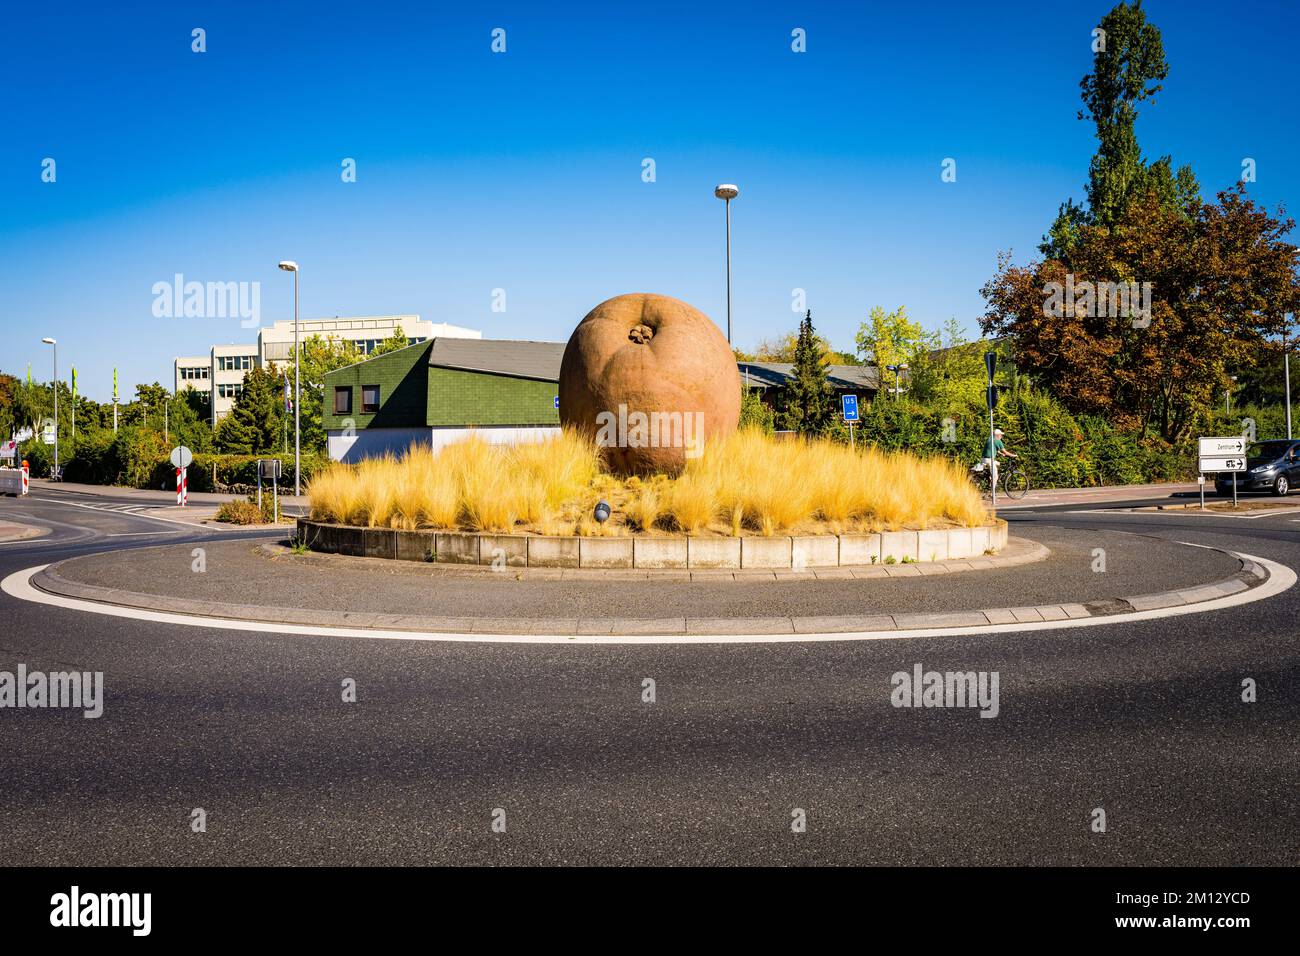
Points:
(369, 399)
(190, 372)
(234, 363)
(229, 391)
(342, 399)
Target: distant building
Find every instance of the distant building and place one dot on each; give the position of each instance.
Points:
(770, 377)
(221, 372)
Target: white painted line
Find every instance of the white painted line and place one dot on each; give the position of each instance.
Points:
(118, 511)
(138, 534)
(18, 585)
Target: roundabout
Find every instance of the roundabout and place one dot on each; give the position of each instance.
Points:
(668, 748)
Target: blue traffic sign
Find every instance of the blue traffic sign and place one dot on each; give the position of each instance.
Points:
(557, 401)
(849, 404)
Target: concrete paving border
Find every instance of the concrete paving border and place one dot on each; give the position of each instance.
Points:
(1249, 575)
(1017, 551)
(657, 552)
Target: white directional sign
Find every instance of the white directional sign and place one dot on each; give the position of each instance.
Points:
(182, 456)
(1205, 465)
(1222, 447)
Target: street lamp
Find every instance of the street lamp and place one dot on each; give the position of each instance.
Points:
(55, 385)
(727, 192)
(288, 265)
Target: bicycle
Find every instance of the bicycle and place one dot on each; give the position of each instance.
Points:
(1012, 477)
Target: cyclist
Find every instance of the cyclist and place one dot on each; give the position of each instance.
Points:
(994, 447)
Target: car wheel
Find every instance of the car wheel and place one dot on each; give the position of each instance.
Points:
(1281, 487)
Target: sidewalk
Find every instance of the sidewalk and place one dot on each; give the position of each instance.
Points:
(151, 496)
(1098, 495)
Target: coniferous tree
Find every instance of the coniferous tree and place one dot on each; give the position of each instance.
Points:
(806, 405)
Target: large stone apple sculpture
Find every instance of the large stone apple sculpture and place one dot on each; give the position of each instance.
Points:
(652, 380)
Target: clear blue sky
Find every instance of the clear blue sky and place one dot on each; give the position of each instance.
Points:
(522, 171)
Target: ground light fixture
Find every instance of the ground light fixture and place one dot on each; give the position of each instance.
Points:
(55, 385)
(602, 511)
(728, 192)
(288, 265)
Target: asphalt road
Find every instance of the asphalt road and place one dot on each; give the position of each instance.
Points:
(1142, 719)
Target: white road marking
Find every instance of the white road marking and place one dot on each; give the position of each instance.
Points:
(18, 585)
(119, 510)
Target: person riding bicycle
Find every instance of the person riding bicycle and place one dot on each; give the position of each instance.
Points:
(994, 447)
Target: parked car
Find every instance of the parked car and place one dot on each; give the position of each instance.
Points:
(1270, 466)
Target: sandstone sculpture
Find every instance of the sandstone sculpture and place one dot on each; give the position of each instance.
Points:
(652, 379)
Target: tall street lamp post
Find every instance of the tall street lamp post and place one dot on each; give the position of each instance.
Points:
(55, 384)
(288, 265)
(728, 192)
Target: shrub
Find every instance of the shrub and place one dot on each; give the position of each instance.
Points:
(242, 512)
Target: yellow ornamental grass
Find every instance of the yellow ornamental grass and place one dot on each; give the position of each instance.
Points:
(744, 484)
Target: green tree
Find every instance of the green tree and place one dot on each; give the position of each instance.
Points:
(319, 355)
(253, 425)
(807, 399)
(891, 338)
(1128, 67)
(397, 340)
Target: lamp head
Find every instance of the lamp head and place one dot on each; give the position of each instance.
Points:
(726, 191)
(49, 341)
(288, 265)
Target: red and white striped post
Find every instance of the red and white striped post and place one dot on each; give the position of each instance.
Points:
(27, 471)
(182, 487)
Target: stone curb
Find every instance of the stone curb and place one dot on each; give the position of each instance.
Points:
(1250, 575)
(664, 552)
(1017, 551)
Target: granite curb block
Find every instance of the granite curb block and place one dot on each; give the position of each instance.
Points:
(1250, 575)
(665, 552)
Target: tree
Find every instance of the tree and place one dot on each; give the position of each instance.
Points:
(807, 399)
(253, 425)
(319, 355)
(891, 338)
(397, 340)
(1128, 65)
(1216, 287)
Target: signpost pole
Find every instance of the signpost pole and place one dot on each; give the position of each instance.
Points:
(991, 363)
(275, 500)
(259, 486)
(1201, 482)
(852, 444)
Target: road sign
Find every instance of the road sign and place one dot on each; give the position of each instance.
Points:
(48, 431)
(268, 469)
(849, 405)
(1221, 464)
(1222, 447)
(182, 456)
(8, 449)
(557, 401)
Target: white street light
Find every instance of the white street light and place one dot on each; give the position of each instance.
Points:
(55, 386)
(728, 192)
(288, 265)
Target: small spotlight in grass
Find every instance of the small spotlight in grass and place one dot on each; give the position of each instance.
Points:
(602, 511)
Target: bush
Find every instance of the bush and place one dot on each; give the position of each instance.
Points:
(243, 512)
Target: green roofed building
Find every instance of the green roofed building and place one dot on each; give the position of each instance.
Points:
(440, 391)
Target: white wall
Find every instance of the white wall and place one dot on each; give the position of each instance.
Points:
(373, 442)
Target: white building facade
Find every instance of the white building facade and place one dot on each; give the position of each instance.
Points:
(221, 372)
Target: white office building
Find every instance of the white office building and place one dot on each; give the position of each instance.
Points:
(221, 372)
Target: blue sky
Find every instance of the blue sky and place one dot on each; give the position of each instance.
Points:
(522, 170)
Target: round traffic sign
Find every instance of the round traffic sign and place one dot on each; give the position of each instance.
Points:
(182, 456)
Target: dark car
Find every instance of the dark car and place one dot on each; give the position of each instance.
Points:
(1270, 466)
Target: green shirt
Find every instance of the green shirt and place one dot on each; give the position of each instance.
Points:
(993, 446)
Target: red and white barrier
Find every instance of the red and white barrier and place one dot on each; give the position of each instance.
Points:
(182, 487)
(27, 474)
